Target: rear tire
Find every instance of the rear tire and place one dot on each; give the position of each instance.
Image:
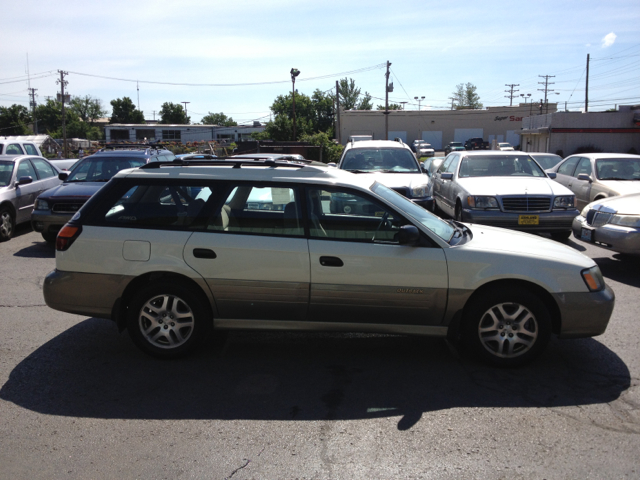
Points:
(167, 320)
(507, 327)
(7, 224)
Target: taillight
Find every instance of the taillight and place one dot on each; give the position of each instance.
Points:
(67, 236)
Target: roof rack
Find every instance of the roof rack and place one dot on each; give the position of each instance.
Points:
(233, 162)
(130, 146)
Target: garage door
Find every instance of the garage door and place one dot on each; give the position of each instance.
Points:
(434, 138)
(464, 134)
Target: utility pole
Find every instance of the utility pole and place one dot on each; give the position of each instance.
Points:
(294, 73)
(185, 108)
(138, 89)
(511, 90)
(32, 92)
(452, 99)
(586, 89)
(386, 103)
(338, 133)
(63, 83)
(546, 89)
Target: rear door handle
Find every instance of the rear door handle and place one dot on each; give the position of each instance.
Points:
(204, 253)
(331, 262)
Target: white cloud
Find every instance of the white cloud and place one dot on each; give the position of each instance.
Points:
(608, 40)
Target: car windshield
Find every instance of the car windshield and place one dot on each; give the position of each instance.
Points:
(456, 144)
(6, 169)
(499, 166)
(396, 160)
(438, 226)
(504, 144)
(547, 161)
(101, 169)
(618, 168)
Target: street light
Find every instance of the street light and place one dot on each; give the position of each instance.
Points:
(419, 100)
(403, 103)
(525, 96)
(294, 73)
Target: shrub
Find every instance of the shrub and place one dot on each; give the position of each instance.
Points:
(587, 149)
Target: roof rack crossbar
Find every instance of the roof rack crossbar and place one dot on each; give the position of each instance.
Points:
(234, 163)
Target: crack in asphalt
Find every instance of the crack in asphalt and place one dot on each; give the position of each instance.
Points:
(247, 462)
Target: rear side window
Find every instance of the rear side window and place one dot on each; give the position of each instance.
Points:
(43, 169)
(171, 206)
(31, 149)
(14, 149)
(569, 166)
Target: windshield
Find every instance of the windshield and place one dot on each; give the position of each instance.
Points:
(101, 169)
(456, 144)
(396, 160)
(6, 169)
(499, 166)
(547, 161)
(442, 229)
(618, 169)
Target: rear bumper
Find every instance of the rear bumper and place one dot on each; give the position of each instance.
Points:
(585, 314)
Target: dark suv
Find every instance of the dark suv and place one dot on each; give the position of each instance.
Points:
(55, 207)
(474, 144)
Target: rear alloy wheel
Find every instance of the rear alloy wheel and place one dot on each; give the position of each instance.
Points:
(507, 328)
(7, 224)
(167, 321)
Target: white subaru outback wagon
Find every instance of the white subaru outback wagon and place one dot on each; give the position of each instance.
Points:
(173, 251)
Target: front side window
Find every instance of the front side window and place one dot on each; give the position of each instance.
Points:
(618, 169)
(396, 160)
(500, 166)
(336, 214)
(25, 169)
(583, 167)
(14, 149)
(101, 169)
(6, 170)
(259, 210)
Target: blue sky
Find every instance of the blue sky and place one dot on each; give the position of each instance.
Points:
(433, 46)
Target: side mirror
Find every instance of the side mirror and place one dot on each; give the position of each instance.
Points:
(408, 235)
(24, 181)
(63, 176)
(332, 164)
(552, 175)
(585, 177)
(446, 176)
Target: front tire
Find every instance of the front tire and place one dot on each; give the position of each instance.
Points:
(168, 321)
(7, 224)
(561, 236)
(507, 327)
(49, 237)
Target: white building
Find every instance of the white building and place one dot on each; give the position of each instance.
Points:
(178, 133)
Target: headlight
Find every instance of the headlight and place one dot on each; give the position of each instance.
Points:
(41, 205)
(585, 211)
(626, 220)
(419, 191)
(482, 202)
(593, 278)
(563, 202)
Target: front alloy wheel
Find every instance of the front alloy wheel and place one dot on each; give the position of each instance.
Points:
(7, 225)
(507, 327)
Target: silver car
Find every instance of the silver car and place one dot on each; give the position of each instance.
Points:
(503, 189)
(612, 223)
(593, 176)
(22, 179)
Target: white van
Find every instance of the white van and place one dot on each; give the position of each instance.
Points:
(16, 146)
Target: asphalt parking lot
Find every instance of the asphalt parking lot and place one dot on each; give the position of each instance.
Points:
(78, 400)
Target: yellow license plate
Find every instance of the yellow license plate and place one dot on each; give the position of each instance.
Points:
(528, 220)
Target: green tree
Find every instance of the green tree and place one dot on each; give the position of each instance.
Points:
(124, 111)
(218, 119)
(392, 106)
(331, 150)
(465, 96)
(350, 98)
(313, 114)
(89, 109)
(173, 113)
(50, 122)
(14, 120)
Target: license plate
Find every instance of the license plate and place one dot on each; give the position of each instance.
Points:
(528, 220)
(586, 234)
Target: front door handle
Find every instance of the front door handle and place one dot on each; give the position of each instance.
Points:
(331, 262)
(204, 253)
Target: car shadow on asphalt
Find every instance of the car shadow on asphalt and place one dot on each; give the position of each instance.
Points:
(620, 268)
(91, 371)
(40, 249)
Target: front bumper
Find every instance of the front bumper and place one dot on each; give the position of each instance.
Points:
(554, 221)
(585, 314)
(613, 237)
(47, 221)
(424, 202)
